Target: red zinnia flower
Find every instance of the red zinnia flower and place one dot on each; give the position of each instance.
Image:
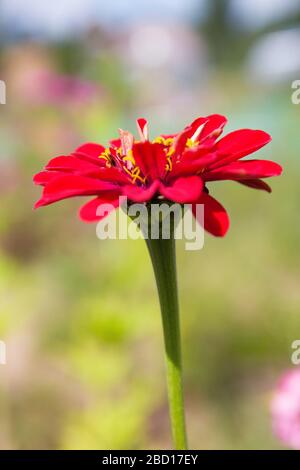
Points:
(174, 167)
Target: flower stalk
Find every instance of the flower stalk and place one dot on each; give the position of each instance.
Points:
(163, 257)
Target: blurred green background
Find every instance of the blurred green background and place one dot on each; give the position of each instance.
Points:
(80, 316)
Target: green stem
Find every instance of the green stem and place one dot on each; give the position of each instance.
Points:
(163, 256)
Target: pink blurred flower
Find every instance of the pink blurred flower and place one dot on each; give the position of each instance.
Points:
(285, 409)
(68, 89)
(46, 87)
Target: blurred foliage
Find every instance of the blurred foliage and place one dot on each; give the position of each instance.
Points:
(227, 41)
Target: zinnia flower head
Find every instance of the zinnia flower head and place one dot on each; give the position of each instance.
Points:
(177, 167)
(285, 409)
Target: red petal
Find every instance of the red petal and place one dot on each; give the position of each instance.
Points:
(75, 165)
(256, 184)
(90, 149)
(192, 161)
(142, 125)
(216, 220)
(115, 143)
(204, 129)
(150, 158)
(179, 143)
(88, 212)
(70, 163)
(207, 128)
(66, 186)
(240, 143)
(90, 152)
(183, 190)
(44, 177)
(112, 174)
(248, 169)
(213, 128)
(140, 194)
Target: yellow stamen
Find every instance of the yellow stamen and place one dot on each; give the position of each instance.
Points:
(170, 152)
(106, 156)
(191, 143)
(129, 157)
(162, 140)
(136, 175)
(169, 164)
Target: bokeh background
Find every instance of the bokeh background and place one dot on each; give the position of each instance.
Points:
(80, 316)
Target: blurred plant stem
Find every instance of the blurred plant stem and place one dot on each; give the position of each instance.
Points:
(163, 257)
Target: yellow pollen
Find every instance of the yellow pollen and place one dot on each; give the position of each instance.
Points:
(129, 157)
(162, 140)
(136, 175)
(190, 143)
(169, 164)
(170, 152)
(106, 156)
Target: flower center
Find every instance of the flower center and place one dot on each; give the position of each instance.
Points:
(127, 163)
(123, 158)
